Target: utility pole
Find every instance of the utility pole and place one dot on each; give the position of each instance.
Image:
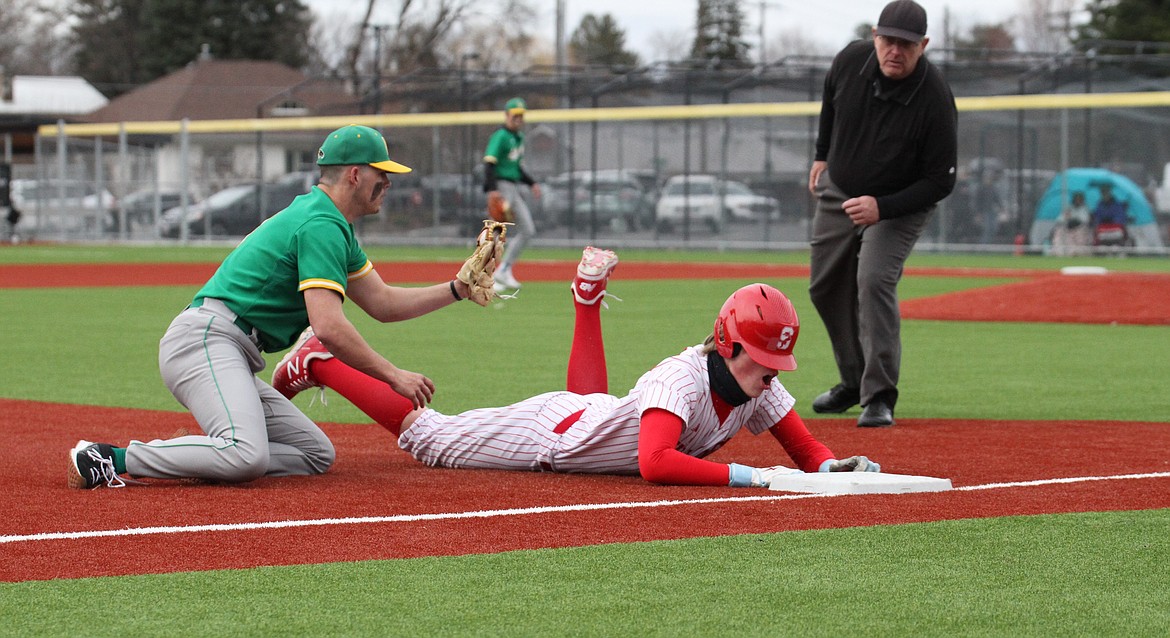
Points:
(378, 29)
(468, 166)
(560, 38)
(764, 6)
(1060, 23)
(562, 61)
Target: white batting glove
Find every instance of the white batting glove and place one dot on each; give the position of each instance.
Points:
(768, 474)
(744, 476)
(851, 464)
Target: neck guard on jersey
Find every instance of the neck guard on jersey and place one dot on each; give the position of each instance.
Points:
(723, 383)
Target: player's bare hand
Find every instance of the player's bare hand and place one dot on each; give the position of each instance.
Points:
(862, 210)
(414, 386)
(814, 175)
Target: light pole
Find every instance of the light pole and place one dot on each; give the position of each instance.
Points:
(378, 29)
(1090, 64)
(468, 167)
(764, 6)
(463, 78)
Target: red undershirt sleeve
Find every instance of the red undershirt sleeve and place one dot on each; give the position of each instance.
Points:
(799, 443)
(660, 462)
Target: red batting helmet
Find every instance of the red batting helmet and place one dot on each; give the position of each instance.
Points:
(763, 321)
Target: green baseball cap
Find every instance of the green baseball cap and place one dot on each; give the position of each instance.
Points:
(515, 106)
(355, 144)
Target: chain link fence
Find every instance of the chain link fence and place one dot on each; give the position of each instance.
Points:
(662, 155)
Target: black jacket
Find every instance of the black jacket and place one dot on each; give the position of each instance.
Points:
(894, 140)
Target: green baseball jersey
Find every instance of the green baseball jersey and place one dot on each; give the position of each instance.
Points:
(505, 149)
(307, 245)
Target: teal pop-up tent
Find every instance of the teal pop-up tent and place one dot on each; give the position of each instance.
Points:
(1142, 225)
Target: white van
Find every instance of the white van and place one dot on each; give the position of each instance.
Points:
(66, 206)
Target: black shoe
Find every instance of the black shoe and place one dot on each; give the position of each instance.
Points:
(878, 414)
(91, 465)
(838, 399)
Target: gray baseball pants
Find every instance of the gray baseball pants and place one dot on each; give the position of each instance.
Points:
(854, 286)
(525, 229)
(250, 429)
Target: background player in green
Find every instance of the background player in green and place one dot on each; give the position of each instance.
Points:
(504, 173)
(295, 270)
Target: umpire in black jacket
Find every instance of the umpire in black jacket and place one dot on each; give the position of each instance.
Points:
(885, 155)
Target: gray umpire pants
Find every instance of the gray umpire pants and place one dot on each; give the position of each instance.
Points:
(525, 229)
(249, 429)
(854, 286)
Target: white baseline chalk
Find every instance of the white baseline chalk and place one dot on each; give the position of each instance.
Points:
(525, 511)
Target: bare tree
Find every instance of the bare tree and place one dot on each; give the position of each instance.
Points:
(357, 42)
(671, 46)
(32, 39)
(440, 34)
(1047, 25)
(423, 34)
(328, 48)
(420, 35)
(507, 44)
(12, 26)
(796, 41)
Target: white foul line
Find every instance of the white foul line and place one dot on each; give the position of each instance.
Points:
(523, 511)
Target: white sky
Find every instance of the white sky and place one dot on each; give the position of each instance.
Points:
(830, 22)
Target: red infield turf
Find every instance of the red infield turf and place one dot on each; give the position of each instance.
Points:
(372, 478)
(377, 502)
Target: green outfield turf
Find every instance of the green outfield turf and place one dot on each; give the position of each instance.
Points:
(1076, 574)
(950, 369)
(1071, 575)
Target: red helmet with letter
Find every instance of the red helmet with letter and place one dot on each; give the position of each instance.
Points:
(762, 320)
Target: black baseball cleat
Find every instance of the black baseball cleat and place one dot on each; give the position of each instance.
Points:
(877, 414)
(91, 464)
(838, 399)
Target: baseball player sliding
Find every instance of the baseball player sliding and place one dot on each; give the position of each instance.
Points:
(295, 270)
(682, 410)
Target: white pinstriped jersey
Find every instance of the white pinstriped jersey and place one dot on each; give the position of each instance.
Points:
(605, 439)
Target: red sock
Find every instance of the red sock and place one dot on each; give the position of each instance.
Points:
(378, 400)
(587, 372)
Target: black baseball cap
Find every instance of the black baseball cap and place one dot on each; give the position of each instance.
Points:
(902, 19)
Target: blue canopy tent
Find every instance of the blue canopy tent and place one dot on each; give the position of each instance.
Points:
(1142, 225)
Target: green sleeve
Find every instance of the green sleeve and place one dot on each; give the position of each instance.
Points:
(323, 256)
(494, 147)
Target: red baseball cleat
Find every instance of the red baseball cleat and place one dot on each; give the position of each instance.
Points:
(292, 373)
(592, 274)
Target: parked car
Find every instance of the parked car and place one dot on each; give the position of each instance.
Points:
(300, 181)
(405, 195)
(692, 197)
(59, 205)
(616, 197)
(744, 204)
(234, 211)
(448, 188)
(139, 207)
(708, 200)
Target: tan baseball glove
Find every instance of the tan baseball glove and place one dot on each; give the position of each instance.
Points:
(498, 208)
(477, 272)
